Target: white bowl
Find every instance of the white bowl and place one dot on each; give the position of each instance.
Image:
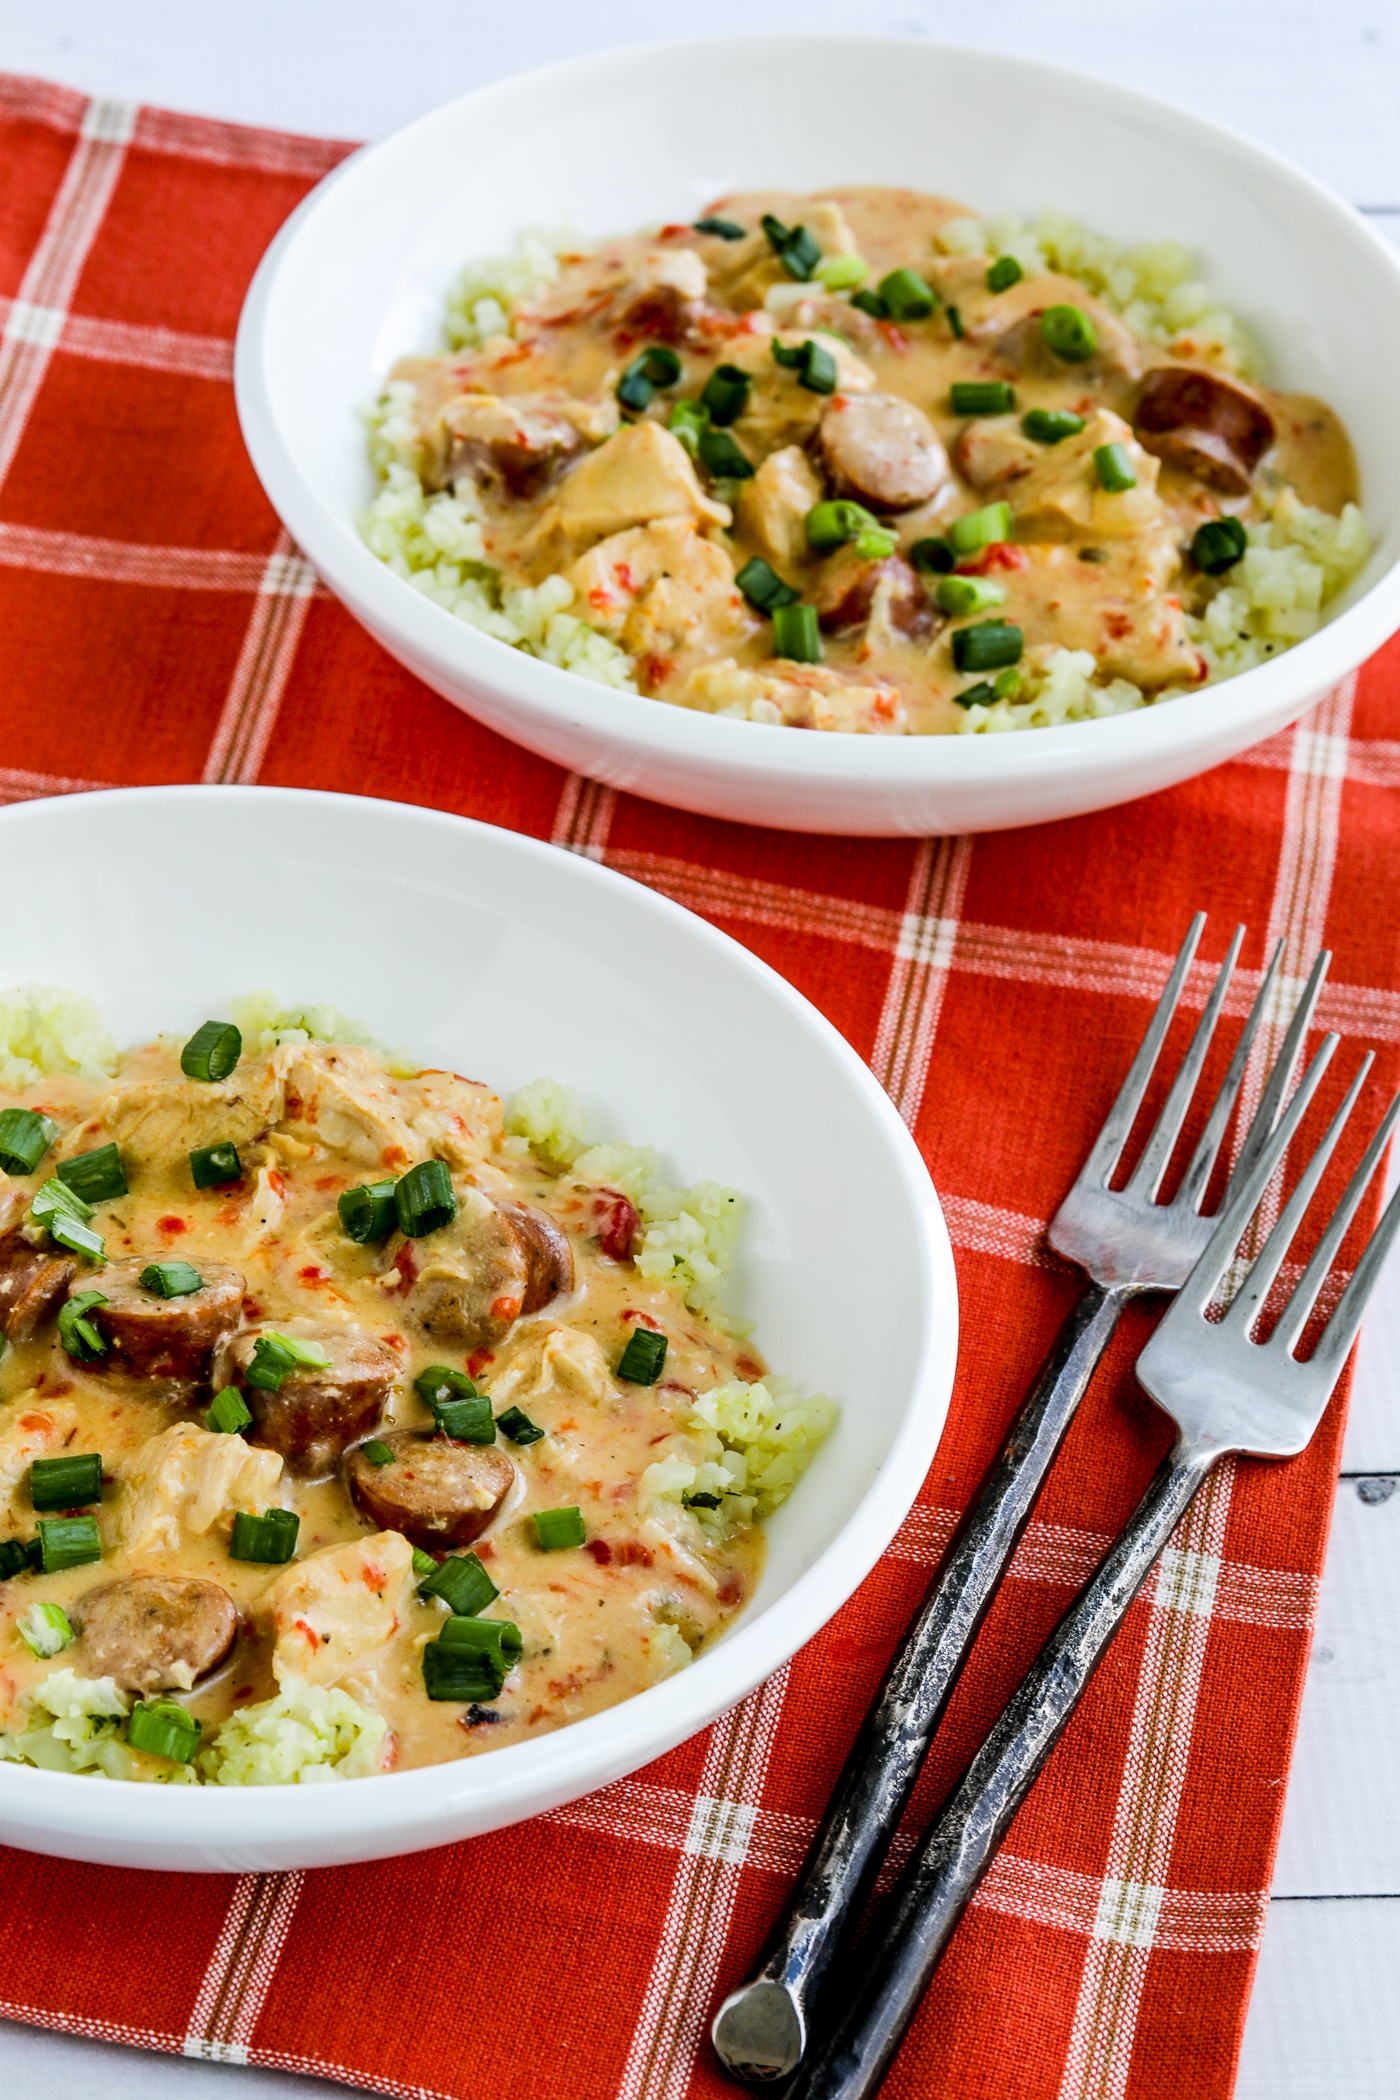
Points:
(358, 276)
(505, 958)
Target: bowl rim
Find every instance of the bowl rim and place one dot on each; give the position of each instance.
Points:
(501, 1786)
(627, 723)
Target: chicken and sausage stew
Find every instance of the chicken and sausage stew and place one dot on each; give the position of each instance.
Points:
(847, 462)
(351, 1421)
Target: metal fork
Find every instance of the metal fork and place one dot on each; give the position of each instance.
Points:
(1129, 1243)
(1226, 1392)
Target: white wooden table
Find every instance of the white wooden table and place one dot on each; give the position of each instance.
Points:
(1319, 83)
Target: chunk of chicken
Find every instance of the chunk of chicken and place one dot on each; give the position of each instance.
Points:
(456, 1119)
(338, 1095)
(666, 594)
(745, 271)
(32, 1428)
(160, 1119)
(1061, 496)
(561, 1360)
(781, 411)
(773, 506)
(337, 1607)
(184, 1480)
(642, 474)
(1131, 622)
(994, 453)
(804, 696)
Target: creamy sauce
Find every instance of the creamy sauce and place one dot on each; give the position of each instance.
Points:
(653, 566)
(598, 1621)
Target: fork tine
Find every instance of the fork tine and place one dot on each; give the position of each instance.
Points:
(1338, 1335)
(1204, 1281)
(1146, 1177)
(1266, 1114)
(1105, 1155)
(1196, 1180)
(1270, 1258)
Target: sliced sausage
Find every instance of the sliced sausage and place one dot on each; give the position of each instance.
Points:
(468, 1282)
(881, 450)
(156, 1633)
(510, 447)
(149, 1336)
(313, 1414)
(845, 592)
(437, 1493)
(661, 314)
(1204, 425)
(33, 1284)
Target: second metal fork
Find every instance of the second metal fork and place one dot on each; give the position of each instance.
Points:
(1128, 1243)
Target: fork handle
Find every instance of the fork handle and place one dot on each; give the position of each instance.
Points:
(942, 1876)
(760, 2032)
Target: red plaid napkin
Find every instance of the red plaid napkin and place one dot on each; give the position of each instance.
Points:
(157, 625)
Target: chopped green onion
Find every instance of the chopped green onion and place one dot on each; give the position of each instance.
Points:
(841, 273)
(441, 1383)
(1007, 685)
(67, 1542)
(907, 296)
(1093, 554)
(77, 1238)
(1004, 272)
(495, 1637)
(54, 1199)
(959, 595)
(794, 247)
(66, 1483)
(45, 1630)
(642, 1360)
(463, 1585)
(518, 1427)
(982, 397)
(425, 1199)
(832, 524)
(656, 367)
(163, 1729)
(871, 303)
(1114, 469)
(82, 1340)
(459, 1674)
(764, 587)
(875, 543)
(269, 1539)
(813, 363)
(689, 420)
(25, 1136)
(980, 528)
(720, 456)
(212, 1051)
(95, 1176)
(227, 1413)
(423, 1564)
(987, 645)
(13, 1559)
(466, 1421)
(725, 394)
(700, 1501)
(276, 1356)
(723, 229)
(171, 1279)
(955, 322)
(213, 1165)
(556, 1528)
(934, 555)
(369, 1213)
(1050, 426)
(1069, 332)
(796, 634)
(983, 694)
(377, 1451)
(1218, 545)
